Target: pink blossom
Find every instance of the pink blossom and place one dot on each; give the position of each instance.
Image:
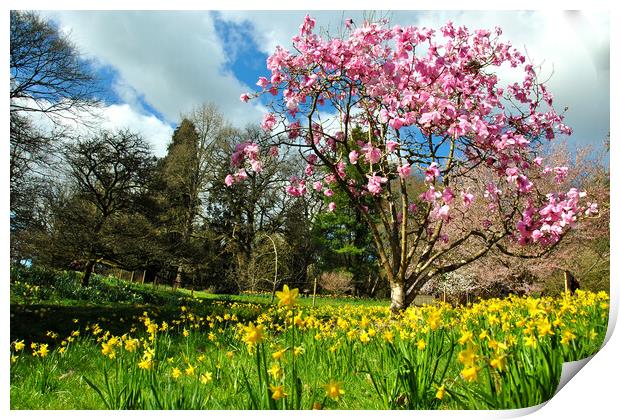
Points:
(442, 212)
(391, 145)
(257, 165)
(404, 171)
(328, 192)
(512, 174)
(353, 156)
(397, 123)
(428, 118)
(431, 172)
(437, 91)
(292, 104)
(524, 184)
(429, 195)
(372, 154)
(467, 198)
(592, 209)
(297, 188)
(374, 184)
(560, 173)
(306, 27)
(412, 207)
(229, 180)
(241, 175)
(448, 195)
(294, 130)
(318, 186)
(269, 122)
(251, 151)
(330, 178)
(262, 82)
(492, 191)
(331, 206)
(340, 167)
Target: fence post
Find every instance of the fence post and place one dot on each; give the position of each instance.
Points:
(314, 291)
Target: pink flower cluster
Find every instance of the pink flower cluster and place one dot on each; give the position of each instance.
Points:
(547, 224)
(436, 84)
(247, 152)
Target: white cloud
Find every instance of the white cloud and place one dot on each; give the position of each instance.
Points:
(111, 117)
(155, 131)
(174, 60)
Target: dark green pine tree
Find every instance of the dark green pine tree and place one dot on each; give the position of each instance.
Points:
(182, 186)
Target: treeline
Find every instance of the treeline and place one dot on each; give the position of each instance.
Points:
(113, 204)
(92, 199)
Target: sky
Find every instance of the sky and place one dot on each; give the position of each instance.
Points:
(157, 65)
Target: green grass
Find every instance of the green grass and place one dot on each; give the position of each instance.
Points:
(380, 361)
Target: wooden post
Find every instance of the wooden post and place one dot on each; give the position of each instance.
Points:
(314, 291)
(133, 273)
(143, 276)
(565, 281)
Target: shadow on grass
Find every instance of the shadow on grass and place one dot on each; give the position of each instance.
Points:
(31, 322)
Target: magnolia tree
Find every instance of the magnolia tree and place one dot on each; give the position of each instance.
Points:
(430, 104)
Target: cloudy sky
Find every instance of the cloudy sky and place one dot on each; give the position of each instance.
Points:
(156, 65)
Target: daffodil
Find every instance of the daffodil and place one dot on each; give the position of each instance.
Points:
(441, 391)
(277, 392)
(470, 374)
(189, 371)
(253, 334)
(499, 362)
(43, 351)
(277, 355)
(334, 390)
(19, 345)
(176, 373)
(287, 297)
(421, 344)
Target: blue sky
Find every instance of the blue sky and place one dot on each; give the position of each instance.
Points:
(156, 65)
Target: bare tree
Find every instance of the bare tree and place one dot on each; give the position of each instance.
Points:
(49, 83)
(109, 170)
(47, 73)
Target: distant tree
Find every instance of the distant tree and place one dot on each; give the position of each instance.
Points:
(108, 171)
(238, 215)
(187, 170)
(584, 251)
(49, 81)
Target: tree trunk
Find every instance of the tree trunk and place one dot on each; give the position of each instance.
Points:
(178, 281)
(397, 295)
(88, 270)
